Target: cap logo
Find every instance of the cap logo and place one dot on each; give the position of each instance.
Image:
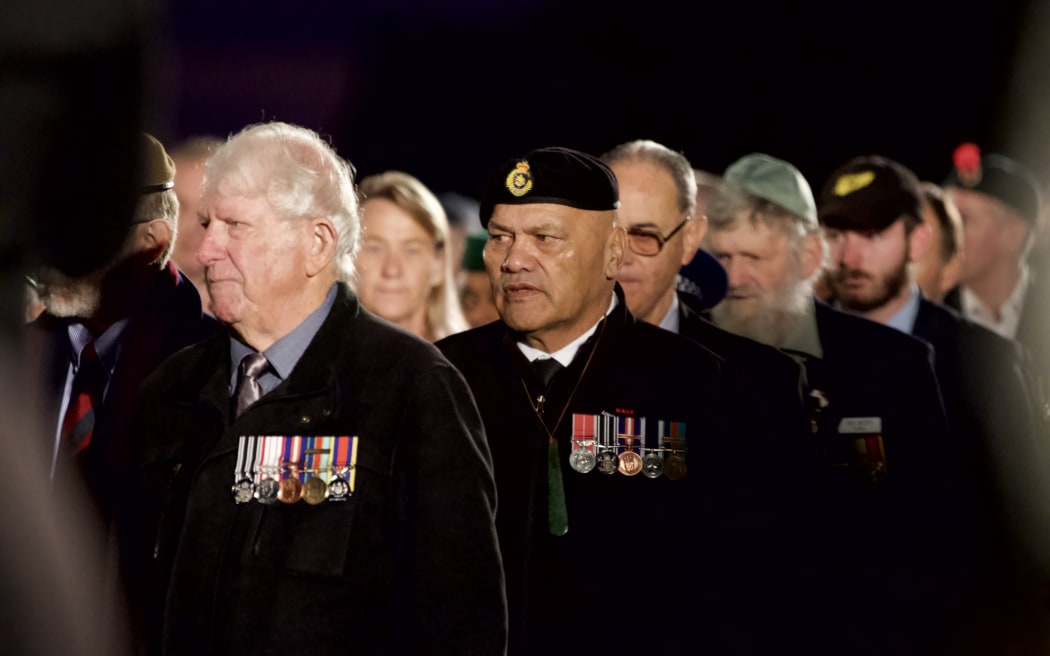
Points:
(967, 160)
(519, 181)
(850, 182)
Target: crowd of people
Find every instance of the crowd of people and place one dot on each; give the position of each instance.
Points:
(641, 408)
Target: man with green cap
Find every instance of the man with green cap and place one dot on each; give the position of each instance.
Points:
(475, 292)
(102, 333)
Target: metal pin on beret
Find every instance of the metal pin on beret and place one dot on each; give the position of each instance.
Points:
(158, 169)
(561, 176)
(870, 193)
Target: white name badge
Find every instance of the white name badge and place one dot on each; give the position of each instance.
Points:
(853, 425)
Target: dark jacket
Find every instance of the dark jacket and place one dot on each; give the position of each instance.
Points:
(408, 564)
(888, 529)
(169, 319)
(1003, 477)
(648, 565)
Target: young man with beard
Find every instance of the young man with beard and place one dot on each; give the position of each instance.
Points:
(877, 420)
(872, 212)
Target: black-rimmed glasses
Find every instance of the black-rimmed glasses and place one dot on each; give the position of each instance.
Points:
(647, 243)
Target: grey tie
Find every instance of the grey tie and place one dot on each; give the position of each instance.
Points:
(248, 388)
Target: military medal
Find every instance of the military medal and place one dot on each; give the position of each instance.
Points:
(266, 491)
(582, 460)
(315, 490)
(338, 489)
(653, 465)
(243, 488)
(628, 430)
(290, 490)
(608, 463)
(672, 437)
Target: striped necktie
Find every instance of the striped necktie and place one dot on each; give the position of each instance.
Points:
(89, 382)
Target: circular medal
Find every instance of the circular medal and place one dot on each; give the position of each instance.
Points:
(630, 463)
(338, 489)
(243, 490)
(582, 460)
(653, 465)
(607, 462)
(315, 490)
(267, 491)
(291, 490)
(674, 467)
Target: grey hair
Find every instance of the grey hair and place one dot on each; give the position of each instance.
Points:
(675, 163)
(164, 206)
(299, 175)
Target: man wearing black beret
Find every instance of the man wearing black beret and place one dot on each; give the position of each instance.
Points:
(628, 520)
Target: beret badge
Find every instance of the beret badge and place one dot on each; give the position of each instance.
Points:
(519, 180)
(967, 160)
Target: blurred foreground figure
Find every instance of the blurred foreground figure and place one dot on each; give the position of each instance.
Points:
(189, 157)
(313, 480)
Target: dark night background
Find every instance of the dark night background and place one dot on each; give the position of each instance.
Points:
(448, 90)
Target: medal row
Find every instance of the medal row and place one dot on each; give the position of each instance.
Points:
(290, 489)
(654, 464)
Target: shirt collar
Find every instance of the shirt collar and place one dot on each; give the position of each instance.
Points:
(672, 320)
(565, 354)
(1009, 312)
(285, 353)
(107, 345)
(904, 320)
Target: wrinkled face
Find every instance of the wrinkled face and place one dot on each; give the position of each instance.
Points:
(768, 283)
(649, 204)
(985, 232)
(398, 264)
(254, 262)
(475, 295)
(869, 268)
(189, 174)
(551, 268)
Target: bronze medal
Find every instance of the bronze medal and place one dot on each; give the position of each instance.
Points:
(267, 491)
(315, 490)
(674, 467)
(291, 490)
(630, 463)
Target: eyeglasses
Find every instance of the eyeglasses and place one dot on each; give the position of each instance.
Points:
(644, 242)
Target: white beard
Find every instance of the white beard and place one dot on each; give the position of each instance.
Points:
(774, 322)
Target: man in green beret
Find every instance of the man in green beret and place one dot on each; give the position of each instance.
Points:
(475, 292)
(102, 333)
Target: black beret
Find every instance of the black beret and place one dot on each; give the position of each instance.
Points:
(551, 175)
(998, 176)
(870, 193)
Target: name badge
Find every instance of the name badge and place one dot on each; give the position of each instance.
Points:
(855, 425)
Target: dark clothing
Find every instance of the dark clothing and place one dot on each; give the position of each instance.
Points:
(168, 319)
(883, 438)
(648, 565)
(408, 564)
(998, 437)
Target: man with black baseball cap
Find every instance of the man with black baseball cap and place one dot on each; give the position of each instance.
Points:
(607, 467)
(871, 209)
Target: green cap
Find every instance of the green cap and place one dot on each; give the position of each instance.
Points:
(776, 181)
(472, 257)
(158, 170)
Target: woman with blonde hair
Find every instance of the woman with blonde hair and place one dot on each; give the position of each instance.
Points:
(404, 267)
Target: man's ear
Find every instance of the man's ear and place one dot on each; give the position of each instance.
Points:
(694, 231)
(812, 254)
(919, 242)
(323, 239)
(615, 247)
(153, 237)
